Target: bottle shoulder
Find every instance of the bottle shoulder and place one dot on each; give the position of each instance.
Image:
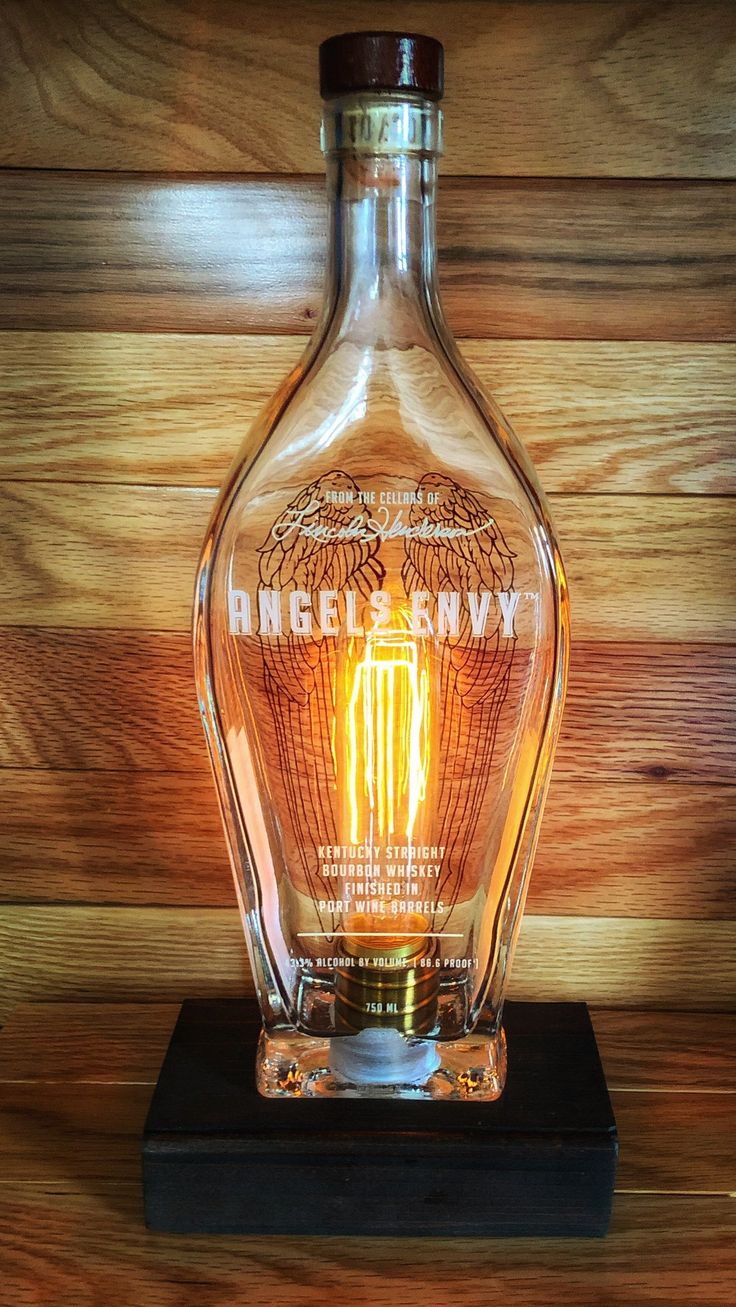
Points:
(384, 430)
(390, 409)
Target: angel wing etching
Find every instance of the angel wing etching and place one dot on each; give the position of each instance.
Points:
(474, 672)
(299, 674)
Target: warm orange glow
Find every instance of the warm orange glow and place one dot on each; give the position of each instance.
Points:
(384, 729)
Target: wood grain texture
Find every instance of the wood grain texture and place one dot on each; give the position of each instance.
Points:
(667, 1051)
(77, 1135)
(548, 89)
(670, 1143)
(72, 1133)
(676, 1141)
(96, 1043)
(597, 416)
(121, 954)
(551, 259)
(119, 700)
(129, 837)
(163, 954)
(124, 1043)
(108, 700)
(644, 849)
(662, 1249)
(639, 567)
(656, 710)
(74, 1088)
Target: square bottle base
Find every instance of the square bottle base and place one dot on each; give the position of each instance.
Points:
(218, 1157)
(381, 1064)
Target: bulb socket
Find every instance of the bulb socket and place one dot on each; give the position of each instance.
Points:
(389, 979)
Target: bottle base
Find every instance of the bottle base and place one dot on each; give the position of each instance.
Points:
(381, 1064)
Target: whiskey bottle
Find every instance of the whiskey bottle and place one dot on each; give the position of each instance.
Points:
(381, 639)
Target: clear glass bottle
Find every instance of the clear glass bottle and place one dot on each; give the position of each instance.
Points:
(381, 639)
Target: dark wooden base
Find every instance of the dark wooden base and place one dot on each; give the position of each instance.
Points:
(219, 1158)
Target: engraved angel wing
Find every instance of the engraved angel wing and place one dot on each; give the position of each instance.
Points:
(299, 671)
(471, 558)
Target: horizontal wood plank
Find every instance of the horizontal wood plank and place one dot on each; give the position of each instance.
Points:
(120, 700)
(596, 416)
(93, 1043)
(667, 1051)
(661, 1249)
(124, 1043)
(550, 89)
(107, 700)
(129, 554)
(670, 1143)
(120, 954)
(639, 567)
(644, 849)
(71, 1133)
(163, 954)
(128, 837)
(575, 259)
(660, 711)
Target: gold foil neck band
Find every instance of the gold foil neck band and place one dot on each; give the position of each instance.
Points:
(381, 125)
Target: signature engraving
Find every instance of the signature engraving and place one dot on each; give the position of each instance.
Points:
(380, 526)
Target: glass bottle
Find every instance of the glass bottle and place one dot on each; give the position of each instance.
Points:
(381, 639)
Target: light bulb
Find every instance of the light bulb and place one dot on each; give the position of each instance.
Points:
(386, 758)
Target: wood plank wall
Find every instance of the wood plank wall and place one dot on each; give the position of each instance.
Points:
(162, 233)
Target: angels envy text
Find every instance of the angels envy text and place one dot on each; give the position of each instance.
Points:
(328, 612)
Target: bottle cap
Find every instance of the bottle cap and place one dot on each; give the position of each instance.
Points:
(381, 61)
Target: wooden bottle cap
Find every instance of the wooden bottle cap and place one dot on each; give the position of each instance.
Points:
(381, 61)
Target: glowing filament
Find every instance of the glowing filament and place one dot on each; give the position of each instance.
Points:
(386, 745)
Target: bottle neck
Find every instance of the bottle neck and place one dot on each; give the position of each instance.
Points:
(382, 174)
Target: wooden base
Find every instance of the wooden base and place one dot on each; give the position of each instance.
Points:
(219, 1158)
